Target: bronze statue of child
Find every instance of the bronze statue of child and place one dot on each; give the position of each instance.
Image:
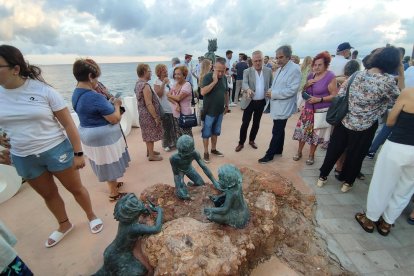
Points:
(181, 166)
(230, 206)
(118, 256)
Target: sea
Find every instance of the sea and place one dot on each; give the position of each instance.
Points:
(117, 77)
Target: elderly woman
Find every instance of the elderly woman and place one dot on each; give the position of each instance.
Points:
(180, 98)
(321, 87)
(99, 128)
(149, 110)
(392, 184)
(169, 124)
(370, 94)
(38, 146)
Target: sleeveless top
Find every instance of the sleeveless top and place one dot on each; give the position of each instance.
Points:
(319, 89)
(403, 131)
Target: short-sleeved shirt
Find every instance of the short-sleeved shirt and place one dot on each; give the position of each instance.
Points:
(26, 115)
(213, 103)
(91, 107)
(164, 99)
(185, 103)
(240, 67)
(370, 95)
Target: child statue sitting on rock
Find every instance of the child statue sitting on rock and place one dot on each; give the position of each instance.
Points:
(181, 166)
(230, 206)
(118, 256)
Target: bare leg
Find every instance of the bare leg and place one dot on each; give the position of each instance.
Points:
(312, 151)
(113, 189)
(70, 179)
(300, 149)
(213, 142)
(150, 149)
(46, 187)
(205, 144)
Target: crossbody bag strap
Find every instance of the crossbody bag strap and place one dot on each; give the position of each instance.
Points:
(349, 85)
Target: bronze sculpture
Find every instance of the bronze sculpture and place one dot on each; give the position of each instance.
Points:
(212, 47)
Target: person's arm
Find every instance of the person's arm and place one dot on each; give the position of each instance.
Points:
(115, 117)
(148, 103)
(208, 88)
(65, 119)
(291, 88)
(333, 91)
(5, 157)
(395, 111)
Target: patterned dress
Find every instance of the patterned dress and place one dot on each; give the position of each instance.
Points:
(149, 130)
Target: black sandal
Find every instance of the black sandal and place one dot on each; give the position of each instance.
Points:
(116, 197)
(383, 227)
(365, 222)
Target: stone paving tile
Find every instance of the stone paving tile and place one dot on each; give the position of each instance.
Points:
(327, 199)
(339, 211)
(374, 241)
(348, 242)
(335, 248)
(373, 261)
(339, 226)
(404, 236)
(404, 256)
(347, 198)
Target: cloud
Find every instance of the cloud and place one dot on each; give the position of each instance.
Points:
(173, 27)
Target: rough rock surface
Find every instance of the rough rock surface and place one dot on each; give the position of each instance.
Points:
(281, 223)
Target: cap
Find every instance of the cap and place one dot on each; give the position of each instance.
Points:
(187, 56)
(344, 46)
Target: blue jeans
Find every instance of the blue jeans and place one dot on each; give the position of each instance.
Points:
(212, 126)
(380, 138)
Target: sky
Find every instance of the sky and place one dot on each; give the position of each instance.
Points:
(59, 31)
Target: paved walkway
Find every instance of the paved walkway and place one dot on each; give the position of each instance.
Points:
(358, 251)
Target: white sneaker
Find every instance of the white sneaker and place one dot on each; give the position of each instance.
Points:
(346, 187)
(321, 181)
(232, 104)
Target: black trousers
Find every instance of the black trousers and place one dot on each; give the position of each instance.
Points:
(355, 144)
(255, 109)
(278, 138)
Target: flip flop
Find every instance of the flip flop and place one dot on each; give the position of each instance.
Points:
(95, 222)
(58, 236)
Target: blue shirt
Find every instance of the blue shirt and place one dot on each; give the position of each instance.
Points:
(240, 67)
(91, 107)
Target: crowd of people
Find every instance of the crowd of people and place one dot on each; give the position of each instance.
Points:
(40, 148)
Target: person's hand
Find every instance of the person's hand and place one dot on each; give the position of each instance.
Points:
(5, 157)
(310, 83)
(78, 162)
(215, 77)
(269, 93)
(250, 93)
(157, 121)
(178, 108)
(117, 101)
(166, 81)
(314, 100)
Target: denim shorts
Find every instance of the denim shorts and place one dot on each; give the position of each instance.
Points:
(56, 159)
(212, 126)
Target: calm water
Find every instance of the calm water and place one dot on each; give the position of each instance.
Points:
(117, 77)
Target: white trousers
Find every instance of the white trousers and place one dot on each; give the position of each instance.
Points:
(392, 183)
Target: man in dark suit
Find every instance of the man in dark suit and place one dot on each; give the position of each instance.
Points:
(256, 81)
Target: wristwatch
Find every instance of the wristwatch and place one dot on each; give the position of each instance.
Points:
(79, 153)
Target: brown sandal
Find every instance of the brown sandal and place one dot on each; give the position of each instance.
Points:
(365, 222)
(116, 197)
(119, 185)
(383, 227)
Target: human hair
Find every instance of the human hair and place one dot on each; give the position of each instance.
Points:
(355, 53)
(221, 60)
(229, 52)
(306, 63)
(14, 58)
(386, 59)
(83, 67)
(351, 67)
(325, 56)
(128, 208)
(158, 69)
(286, 50)
(406, 59)
(295, 59)
(204, 69)
(402, 50)
(258, 52)
(183, 70)
(266, 57)
(142, 68)
(175, 60)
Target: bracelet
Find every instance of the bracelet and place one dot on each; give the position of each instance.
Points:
(321, 100)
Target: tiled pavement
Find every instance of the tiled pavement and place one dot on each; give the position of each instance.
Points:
(358, 251)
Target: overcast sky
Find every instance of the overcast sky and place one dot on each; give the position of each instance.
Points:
(57, 31)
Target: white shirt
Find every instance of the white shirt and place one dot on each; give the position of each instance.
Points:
(337, 65)
(409, 77)
(164, 99)
(259, 93)
(26, 115)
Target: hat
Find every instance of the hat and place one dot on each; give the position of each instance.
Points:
(344, 46)
(187, 56)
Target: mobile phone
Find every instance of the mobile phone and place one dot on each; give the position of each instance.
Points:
(306, 96)
(117, 95)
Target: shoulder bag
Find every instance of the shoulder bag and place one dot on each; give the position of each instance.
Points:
(339, 106)
(187, 121)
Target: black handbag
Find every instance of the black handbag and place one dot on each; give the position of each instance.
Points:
(339, 106)
(187, 121)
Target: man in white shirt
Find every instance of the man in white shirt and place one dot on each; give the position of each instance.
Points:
(343, 52)
(256, 81)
